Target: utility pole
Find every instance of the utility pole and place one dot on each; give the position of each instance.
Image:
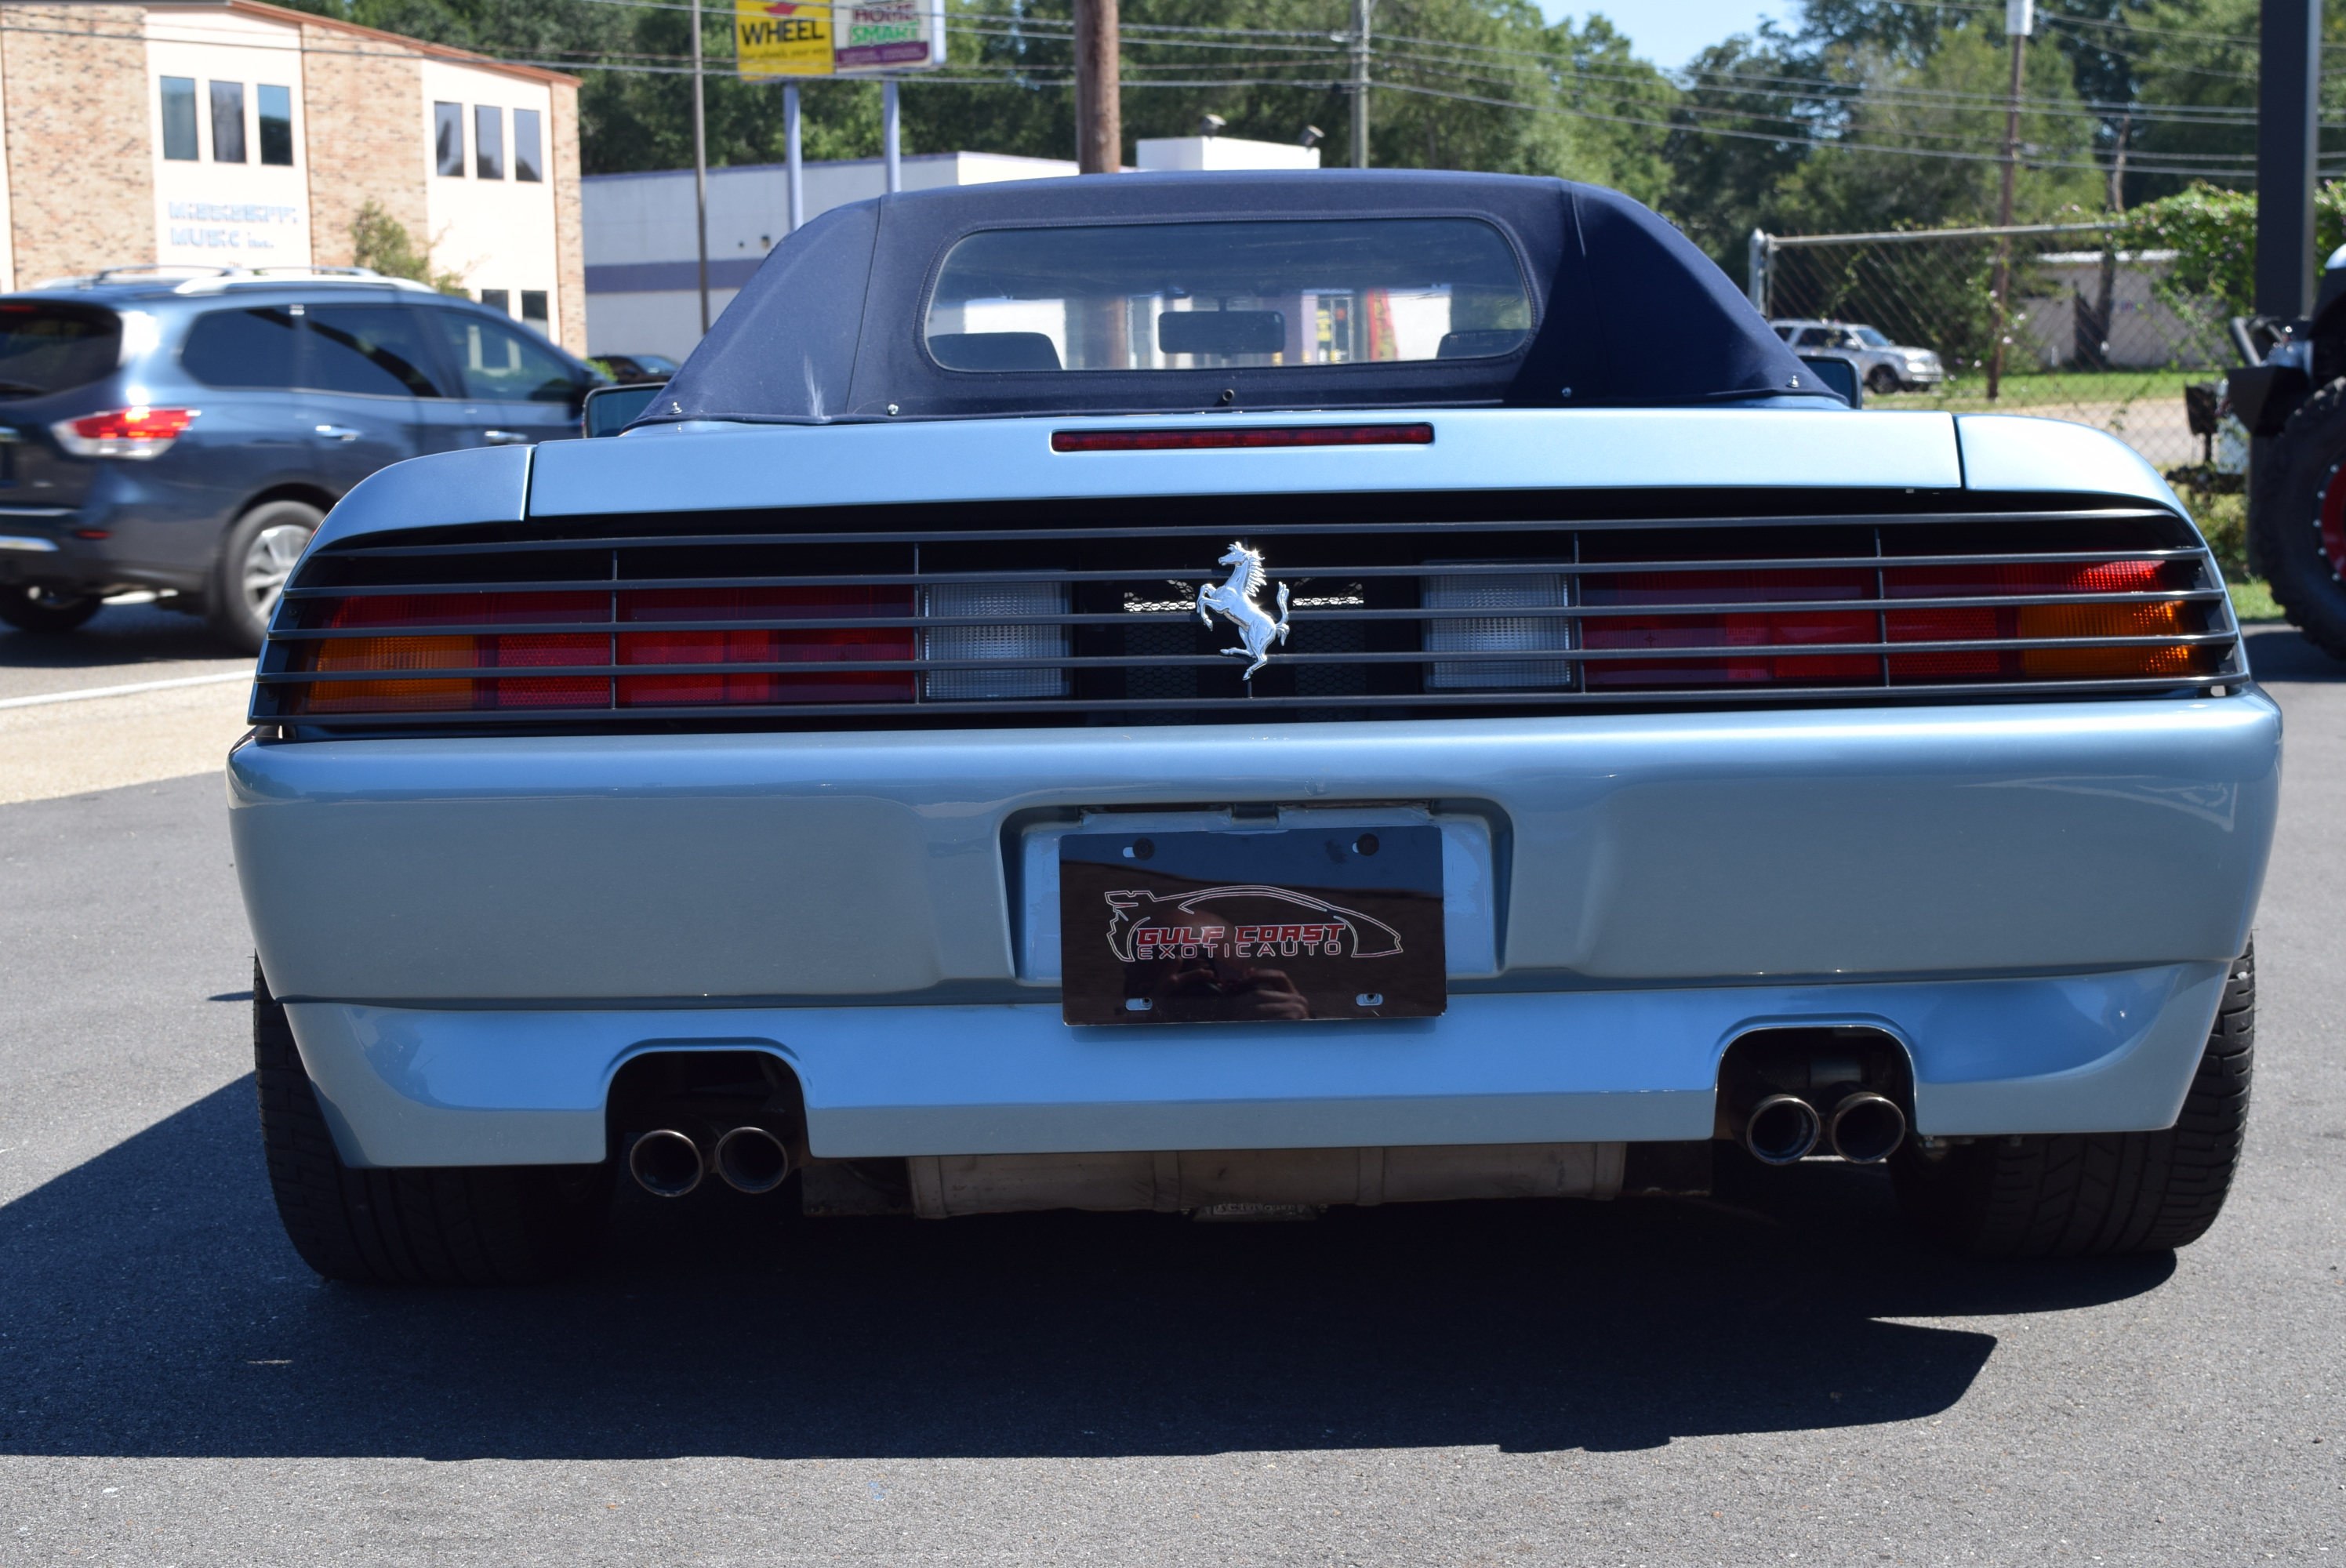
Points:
(1360, 83)
(700, 165)
(2019, 21)
(2288, 85)
(892, 135)
(1100, 87)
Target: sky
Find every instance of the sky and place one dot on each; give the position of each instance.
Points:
(1670, 32)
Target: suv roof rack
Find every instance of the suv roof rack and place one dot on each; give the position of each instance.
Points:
(263, 277)
(202, 277)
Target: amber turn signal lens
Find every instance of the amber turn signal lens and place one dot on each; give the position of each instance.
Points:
(2161, 620)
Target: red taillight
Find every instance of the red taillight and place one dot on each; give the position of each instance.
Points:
(1756, 630)
(124, 431)
(1700, 641)
(1222, 440)
(574, 629)
(2148, 618)
(814, 645)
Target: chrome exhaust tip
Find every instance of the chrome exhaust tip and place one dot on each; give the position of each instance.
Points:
(1867, 1128)
(665, 1164)
(1781, 1130)
(753, 1160)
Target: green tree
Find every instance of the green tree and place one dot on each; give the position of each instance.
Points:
(381, 241)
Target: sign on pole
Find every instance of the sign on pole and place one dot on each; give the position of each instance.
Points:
(783, 38)
(799, 38)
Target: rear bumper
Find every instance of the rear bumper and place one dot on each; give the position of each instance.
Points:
(2038, 899)
(2102, 1052)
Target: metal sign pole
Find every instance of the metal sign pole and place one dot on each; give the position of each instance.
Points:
(795, 156)
(700, 165)
(2019, 21)
(892, 135)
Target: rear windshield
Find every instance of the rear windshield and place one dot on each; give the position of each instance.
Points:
(46, 348)
(1201, 296)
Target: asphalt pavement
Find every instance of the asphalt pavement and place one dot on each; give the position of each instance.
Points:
(1778, 1374)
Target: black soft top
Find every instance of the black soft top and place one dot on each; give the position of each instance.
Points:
(1626, 311)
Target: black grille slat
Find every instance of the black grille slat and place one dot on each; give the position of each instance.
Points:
(1153, 618)
(1303, 661)
(1386, 620)
(1430, 700)
(1410, 528)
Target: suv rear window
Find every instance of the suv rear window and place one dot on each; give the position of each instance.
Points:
(46, 348)
(1196, 296)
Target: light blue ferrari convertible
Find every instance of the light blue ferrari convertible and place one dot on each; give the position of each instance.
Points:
(1237, 693)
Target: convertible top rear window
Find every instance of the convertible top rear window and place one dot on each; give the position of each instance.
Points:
(1198, 296)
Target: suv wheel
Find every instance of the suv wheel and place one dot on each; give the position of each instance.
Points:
(255, 559)
(2297, 518)
(483, 1225)
(35, 607)
(1882, 380)
(2069, 1195)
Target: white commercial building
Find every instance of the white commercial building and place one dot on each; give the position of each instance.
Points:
(642, 290)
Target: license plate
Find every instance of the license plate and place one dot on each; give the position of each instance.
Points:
(1225, 928)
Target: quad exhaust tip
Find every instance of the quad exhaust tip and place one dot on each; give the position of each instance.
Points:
(665, 1164)
(1867, 1128)
(1782, 1129)
(753, 1160)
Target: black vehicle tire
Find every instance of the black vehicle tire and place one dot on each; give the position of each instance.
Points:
(2303, 470)
(256, 554)
(483, 1225)
(1882, 380)
(2070, 1195)
(36, 607)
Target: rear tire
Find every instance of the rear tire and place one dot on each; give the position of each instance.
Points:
(2297, 518)
(36, 607)
(483, 1225)
(2070, 1195)
(256, 557)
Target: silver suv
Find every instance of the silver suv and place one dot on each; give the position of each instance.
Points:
(1887, 367)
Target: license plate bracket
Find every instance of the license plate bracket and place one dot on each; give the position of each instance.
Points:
(1298, 924)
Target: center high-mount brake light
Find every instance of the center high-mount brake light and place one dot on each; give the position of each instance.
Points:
(1225, 440)
(136, 432)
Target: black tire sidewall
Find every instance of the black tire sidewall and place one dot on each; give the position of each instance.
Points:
(19, 609)
(1882, 380)
(2286, 518)
(229, 614)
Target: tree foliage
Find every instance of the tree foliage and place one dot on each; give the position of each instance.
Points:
(1868, 115)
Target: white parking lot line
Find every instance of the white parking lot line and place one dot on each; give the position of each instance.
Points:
(47, 697)
(143, 735)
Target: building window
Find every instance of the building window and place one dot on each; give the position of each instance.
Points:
(448, 136)
(497, 300)
(179, 119)
(533, 308)
(227, 122)
(488, 141)
(276, 106)
(526, 164)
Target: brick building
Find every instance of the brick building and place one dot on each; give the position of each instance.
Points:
(237, 133)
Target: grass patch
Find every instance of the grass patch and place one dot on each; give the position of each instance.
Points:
(1967, 394)
(2251, 600)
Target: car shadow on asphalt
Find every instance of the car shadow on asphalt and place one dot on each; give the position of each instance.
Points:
(128, 634)
(2278, 652)
(153, 1308)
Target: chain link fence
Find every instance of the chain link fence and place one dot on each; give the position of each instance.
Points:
(2091, 333)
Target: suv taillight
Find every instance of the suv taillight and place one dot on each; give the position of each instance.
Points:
(136, 433)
